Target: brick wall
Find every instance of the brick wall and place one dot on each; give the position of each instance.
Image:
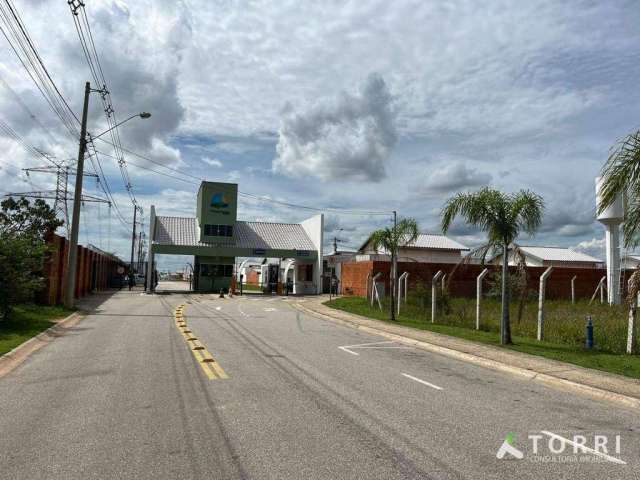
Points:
(462, 278)
(95, 271)
(252, 278)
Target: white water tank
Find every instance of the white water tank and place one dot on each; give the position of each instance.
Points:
(614, 213)
(612, 217)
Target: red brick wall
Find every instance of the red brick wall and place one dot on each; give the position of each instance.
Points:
(462, 278)
(252, 278)
(88, 262)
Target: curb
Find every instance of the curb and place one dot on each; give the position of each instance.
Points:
(10, 360)
(543, 378)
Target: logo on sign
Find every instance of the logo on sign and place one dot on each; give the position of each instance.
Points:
(219, 200)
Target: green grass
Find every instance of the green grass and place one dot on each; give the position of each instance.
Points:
(250, 288)
(565, 330)
(27, 321)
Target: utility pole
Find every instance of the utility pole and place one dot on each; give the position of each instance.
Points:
(70, 282)
(133, 235)
(139, 252)
(394, 264)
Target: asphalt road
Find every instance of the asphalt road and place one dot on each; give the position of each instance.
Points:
(123, 395)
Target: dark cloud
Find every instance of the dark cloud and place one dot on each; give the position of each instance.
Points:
(457, 176)
(350, 138)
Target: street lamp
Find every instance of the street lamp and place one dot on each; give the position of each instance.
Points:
(70, 278)
(142, 115)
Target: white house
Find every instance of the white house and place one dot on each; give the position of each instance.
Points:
(536, 256)
(630, 262)
(427, 248)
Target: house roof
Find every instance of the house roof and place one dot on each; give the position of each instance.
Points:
(429, 241)
(256, 235)
(558, 254)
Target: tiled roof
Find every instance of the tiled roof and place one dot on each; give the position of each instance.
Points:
(263, 235)
(558, 254)
(428, 241)
(177, 231)
(276, 236)
(439, 242)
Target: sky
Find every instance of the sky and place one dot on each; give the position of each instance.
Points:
(361, 105)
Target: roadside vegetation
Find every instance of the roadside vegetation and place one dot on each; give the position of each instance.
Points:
(27, 321)
(564, 327)
(24, 227)
(502, 216)
(390, 239)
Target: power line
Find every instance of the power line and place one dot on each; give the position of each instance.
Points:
(10, 132)
(315, 209)
(28, 111)
(248, 195)
(143, 157)
(24, 48)
(104, 184)
(85, 35)
(142, 167)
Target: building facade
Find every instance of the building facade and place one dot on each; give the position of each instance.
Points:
(427, 248)
(216, 239)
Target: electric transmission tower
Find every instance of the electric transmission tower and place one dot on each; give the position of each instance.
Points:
(60, 195)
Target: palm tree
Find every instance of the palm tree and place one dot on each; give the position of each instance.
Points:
(503, 216)
(622, 177)
(390, 239)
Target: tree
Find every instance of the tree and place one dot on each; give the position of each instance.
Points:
(23, 231)
(622, 177)
(390, 239)
(502, 216)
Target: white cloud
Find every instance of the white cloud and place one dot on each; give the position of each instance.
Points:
(537, 90)
(350, 137)
(594, 247)
(214, 162)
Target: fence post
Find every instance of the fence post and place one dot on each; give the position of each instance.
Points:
(402, 289)
(573, 289)
(406, 285)
(541, 291)
(632, 331)
(434, 294)
(374, 290)
(479, 295)
(599, 287)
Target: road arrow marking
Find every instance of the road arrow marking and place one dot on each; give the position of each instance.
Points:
(372, 345)
(585, 448)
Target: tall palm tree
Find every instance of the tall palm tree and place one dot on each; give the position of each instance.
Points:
(390, 239)
(502, 216)
(622, 177)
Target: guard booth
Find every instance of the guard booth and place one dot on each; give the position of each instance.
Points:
(216, 238)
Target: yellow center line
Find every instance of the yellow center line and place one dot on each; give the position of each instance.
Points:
(209, 365)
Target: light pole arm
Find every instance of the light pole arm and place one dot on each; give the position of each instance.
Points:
(141, 115)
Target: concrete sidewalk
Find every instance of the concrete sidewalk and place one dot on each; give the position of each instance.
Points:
(597, 384)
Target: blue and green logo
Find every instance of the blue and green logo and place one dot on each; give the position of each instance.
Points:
(219, 200)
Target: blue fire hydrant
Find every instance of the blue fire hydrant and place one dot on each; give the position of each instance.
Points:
(589, 332)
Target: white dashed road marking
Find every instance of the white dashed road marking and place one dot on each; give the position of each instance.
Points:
(422, 381)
